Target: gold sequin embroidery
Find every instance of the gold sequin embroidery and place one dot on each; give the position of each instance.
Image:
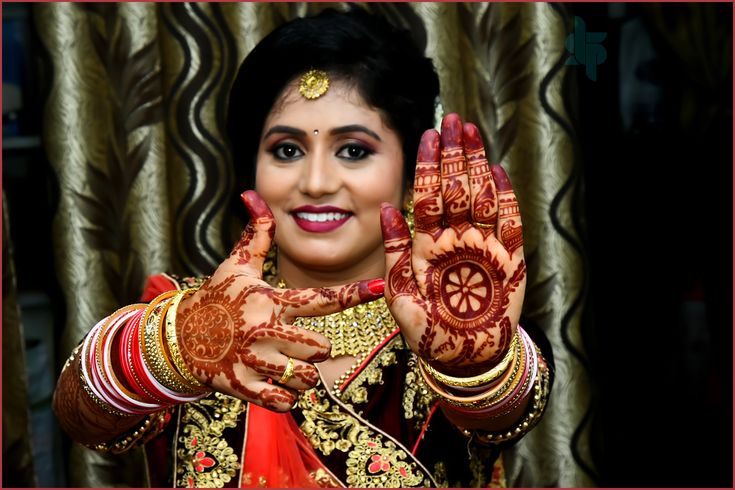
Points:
(204, 458)
(371, 462)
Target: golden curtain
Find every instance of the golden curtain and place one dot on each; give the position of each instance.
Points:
(133, 127)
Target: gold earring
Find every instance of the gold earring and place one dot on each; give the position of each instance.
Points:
(408, 215)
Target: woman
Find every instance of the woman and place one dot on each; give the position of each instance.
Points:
(303, 374)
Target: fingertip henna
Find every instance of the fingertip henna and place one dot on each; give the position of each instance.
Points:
(451, 136)
(428, 147)
(502, 182)
(472, 137)
(257, 207)
(277, 399)
(393, 224)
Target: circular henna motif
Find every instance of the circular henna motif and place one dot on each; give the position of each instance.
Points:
(469, 294)
(208, 333)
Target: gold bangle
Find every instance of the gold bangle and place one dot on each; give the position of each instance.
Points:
(486, 398)
(152, 346)
(480, 379)
(172, 341)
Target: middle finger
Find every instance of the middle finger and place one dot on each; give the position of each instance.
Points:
(455, 184)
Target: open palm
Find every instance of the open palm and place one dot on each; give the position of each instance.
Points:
(457, 290)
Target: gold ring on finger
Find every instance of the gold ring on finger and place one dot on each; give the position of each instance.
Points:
(288, 373)
(482, 225)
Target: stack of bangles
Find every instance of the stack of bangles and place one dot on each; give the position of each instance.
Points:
(149, 374)
(499, 391)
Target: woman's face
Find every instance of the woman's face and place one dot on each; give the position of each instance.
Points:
(324, 167)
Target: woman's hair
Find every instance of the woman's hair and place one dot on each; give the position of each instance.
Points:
(381, 61)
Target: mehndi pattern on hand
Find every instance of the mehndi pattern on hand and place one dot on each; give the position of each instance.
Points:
(457, 288)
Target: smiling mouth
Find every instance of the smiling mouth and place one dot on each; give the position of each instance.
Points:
(321, 217)
(323, 222)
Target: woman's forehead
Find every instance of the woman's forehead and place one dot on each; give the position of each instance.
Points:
(341, 100)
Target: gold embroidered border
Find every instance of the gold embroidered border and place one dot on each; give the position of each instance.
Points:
(204, 457)
(372, 462)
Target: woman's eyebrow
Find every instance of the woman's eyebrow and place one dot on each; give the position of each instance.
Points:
(355, 128)
(285, 130)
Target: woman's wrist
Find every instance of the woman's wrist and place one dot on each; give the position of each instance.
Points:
(128, 364)
(495, 406)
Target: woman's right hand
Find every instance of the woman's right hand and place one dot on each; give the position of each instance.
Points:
(235, 333)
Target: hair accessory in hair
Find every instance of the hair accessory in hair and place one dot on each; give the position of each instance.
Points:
(314, 84)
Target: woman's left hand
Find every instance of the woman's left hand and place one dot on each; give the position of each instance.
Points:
(457, 290)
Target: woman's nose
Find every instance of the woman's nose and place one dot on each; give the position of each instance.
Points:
(319, 177)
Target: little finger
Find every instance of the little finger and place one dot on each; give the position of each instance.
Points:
(510, 229)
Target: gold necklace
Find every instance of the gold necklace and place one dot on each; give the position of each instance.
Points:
(354, 331)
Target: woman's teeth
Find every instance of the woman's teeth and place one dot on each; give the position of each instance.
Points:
(321, 217)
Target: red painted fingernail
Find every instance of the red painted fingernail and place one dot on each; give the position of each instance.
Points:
(376, 286)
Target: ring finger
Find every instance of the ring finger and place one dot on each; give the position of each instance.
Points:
(294, 373)
(484, 201)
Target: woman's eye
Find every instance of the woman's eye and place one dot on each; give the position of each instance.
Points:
(287, 151)
(353, 152)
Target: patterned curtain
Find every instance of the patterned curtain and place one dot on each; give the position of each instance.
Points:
(133, 127)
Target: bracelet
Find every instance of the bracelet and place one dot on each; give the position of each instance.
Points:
(133, 402)
(95, 388)
(153, 345)
(480, 379)
(85, 380)
(484, 399)
(172, 341)
(509, 403)
(540, 398)
(151, 426)
(151, 382)
(133, 373)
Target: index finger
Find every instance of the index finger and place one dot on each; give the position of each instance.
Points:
(428, 207)
(327, 300)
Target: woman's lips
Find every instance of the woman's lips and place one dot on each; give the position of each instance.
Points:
(320, 220)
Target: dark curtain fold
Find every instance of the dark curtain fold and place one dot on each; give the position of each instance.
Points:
(18, 468)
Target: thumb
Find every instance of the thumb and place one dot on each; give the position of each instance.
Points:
(397, 244)
(256, 239)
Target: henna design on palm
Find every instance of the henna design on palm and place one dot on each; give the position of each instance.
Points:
(457, 289)
(235, 333)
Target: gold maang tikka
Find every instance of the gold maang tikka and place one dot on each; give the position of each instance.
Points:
(314, 84)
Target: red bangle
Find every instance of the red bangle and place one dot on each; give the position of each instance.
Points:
(126, 337)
